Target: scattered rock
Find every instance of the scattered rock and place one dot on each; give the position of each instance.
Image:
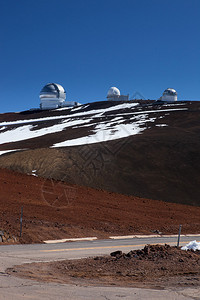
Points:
(5, 237)
(156, 231)
(116, 253)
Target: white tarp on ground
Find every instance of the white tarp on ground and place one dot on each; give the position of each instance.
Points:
(194, 245)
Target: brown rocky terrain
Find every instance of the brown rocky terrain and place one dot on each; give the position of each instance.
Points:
(155, 266)
(55, 209)
(161, 163)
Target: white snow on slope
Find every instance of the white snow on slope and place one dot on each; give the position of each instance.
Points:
(173, 104)
(79, 107)
(19, 122)
(95, 113)
(150, 111)
(122, 106)
(194, 245)
(161, 125)
(108, 131)
(111, 127)
(99, 112)
(7, 151)
(82, 114)
(25, 132)
(62, 108)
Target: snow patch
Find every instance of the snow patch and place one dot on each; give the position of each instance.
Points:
(108, 131)
(161, 125)
(79, 107)
(62, 108)
(110, 126)
(101, 111)
(194, 245)
(26, 132)
(34, 173)
(7, 151)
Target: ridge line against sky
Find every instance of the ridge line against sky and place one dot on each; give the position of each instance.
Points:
(87, 46)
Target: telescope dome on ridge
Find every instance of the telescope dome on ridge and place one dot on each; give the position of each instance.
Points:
(169, 95)
(52, 96)
(115, 95)
(54, 90)
(113, 91)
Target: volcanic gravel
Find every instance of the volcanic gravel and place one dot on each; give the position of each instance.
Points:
(54, 209)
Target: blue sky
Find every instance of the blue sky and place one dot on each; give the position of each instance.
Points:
(87, 46)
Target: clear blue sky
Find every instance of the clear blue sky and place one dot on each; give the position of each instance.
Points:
(89, 45)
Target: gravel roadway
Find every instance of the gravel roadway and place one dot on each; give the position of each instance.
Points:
(15, 288)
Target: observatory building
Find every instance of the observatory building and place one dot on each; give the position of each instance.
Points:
(114, 95)
(169, 95)
(53, 96)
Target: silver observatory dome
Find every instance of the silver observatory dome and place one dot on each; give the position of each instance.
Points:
(170, 91)
(53, 90)
(115, 95)
(52, 96)
(169, 95)
(113, 91)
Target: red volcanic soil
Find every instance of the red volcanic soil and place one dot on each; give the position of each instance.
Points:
(54, 209)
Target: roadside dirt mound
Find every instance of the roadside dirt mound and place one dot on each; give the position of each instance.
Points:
(155, 266)
(55, 209)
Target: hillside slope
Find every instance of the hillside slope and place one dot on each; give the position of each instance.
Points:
(144, 149)
(54, 210)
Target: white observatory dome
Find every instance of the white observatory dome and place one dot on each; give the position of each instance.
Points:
(170, 92)
(169, 95)
(53, 90)
(113, 91)
(52, 96)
